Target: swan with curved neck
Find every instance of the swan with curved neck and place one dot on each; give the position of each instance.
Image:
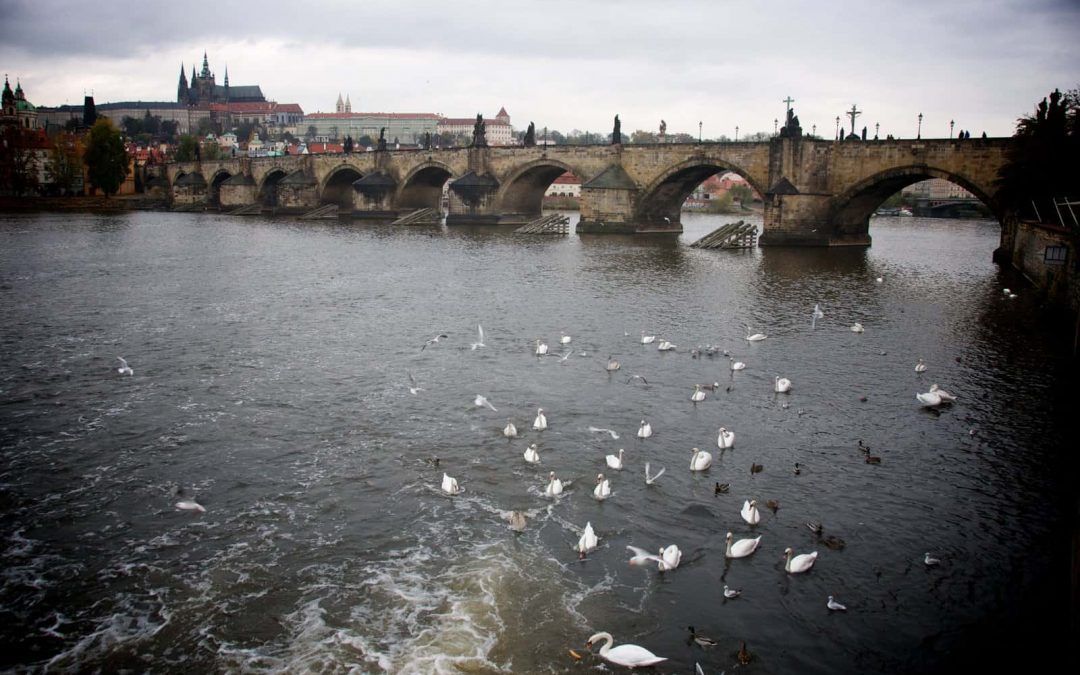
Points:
(750, 512)
(615, 461)
(531, 455)
(781, 385)
(603, 488)
(741, 548)
(725, 439)
(631, 656)
(799, 563)
(554, 486)
(645, 430)
(540, 423)
(700, 460)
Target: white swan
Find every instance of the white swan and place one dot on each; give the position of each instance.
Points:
(930, 399)
(781, 385)
(554, 486)
(665, 346)
(588, 540)
(510, 431)
(449, 485)
(517, 521)
(647, 339)
(800, 563)
(531, 455)
(645, 430)
(612, 365)
(945, 396)
(631, 656)
(124, 368)
(736, 365)
(615, 461)
(856, 327)
(603, 488)
(564, 340)
(920, 367)
(698, 395)
(818, 314)
(190, 505)
(700, 460)
(649, 480)
(725, 439)
(750, 512)
(741, 548)
(756, 337)
(541, 348)
(670, 558)
(540, 423)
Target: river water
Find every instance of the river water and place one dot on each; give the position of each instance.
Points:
(271, 367)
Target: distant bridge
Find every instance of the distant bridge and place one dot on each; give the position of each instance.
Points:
(816, 193)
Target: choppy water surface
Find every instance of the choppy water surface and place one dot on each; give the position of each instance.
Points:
(271, 363)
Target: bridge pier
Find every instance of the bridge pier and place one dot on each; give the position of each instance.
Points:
(793, 219)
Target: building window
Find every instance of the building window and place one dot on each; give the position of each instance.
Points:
(1055, 255)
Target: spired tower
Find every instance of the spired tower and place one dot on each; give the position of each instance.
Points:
(204, 84)
(339, 107)
(182, 93)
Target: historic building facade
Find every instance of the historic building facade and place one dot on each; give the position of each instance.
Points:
(204, 90)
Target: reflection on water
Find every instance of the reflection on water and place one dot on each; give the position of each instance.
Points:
(272, 362)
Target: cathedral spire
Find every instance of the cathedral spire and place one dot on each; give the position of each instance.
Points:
(205, 66)
(226, 75)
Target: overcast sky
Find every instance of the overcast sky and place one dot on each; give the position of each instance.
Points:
(572, 64)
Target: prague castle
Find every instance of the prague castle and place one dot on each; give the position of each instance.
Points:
(203, 89)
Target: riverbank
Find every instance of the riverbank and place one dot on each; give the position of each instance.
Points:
(95, 203)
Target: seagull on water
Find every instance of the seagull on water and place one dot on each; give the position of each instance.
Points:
(482, 402)
(611, 432)
(480, 339)
(637, 377)
(190, 505)
(413, 388)
(835, 606)
(649, 480)
(433, 340)
(731, 593)
(931, 562)
(124, 368)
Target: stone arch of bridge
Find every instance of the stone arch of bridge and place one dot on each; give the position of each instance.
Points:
(663, 198)
(337, 187)
(422, 187)
(523, 190)
(214, 192)
(268, 186)
(851, 210)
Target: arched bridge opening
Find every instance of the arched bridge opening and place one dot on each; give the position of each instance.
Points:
(213, 196)
(268, 191)
(851, 210)
(662, 203)
(339, 190)
(524, 193)
(424, 188)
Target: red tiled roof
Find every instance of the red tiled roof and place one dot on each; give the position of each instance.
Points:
(468, 121)
(502, 112)
(567, 179)
(290, 108)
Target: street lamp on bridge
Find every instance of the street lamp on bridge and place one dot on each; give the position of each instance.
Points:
(699, 131)
(951, 123)
(918, 134)
(837, 127)
(877, 128)
(736, 133)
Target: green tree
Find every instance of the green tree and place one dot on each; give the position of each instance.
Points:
(640, 136)
(106, 159)
(211, 150)
(185, 150)
(1043, 162)
(63, 168)
(18, 165)
(742, 194)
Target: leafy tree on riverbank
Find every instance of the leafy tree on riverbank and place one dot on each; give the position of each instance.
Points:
(1043, 163)
(105, 157)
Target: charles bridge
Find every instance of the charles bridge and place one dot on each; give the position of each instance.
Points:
(816, 193)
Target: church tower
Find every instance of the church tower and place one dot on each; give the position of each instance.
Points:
(182, 87)
(339, 107)
(348, 104)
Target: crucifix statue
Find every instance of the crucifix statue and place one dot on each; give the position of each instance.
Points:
(789, 101)
(853, 113)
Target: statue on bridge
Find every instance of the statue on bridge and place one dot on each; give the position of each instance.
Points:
(530, 136)
(381, 147)
(791, 128)
(663, 128)
(427, 140)
(479, 133)
(616, 133)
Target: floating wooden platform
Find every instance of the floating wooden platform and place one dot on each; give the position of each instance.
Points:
(249, 210)
(428, 216)
(733, 235)
(552, 223)
(324, 212)
(189, 208)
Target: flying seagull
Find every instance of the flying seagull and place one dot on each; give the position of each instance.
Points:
(482, 402)
(480, 340)
(433, 340)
